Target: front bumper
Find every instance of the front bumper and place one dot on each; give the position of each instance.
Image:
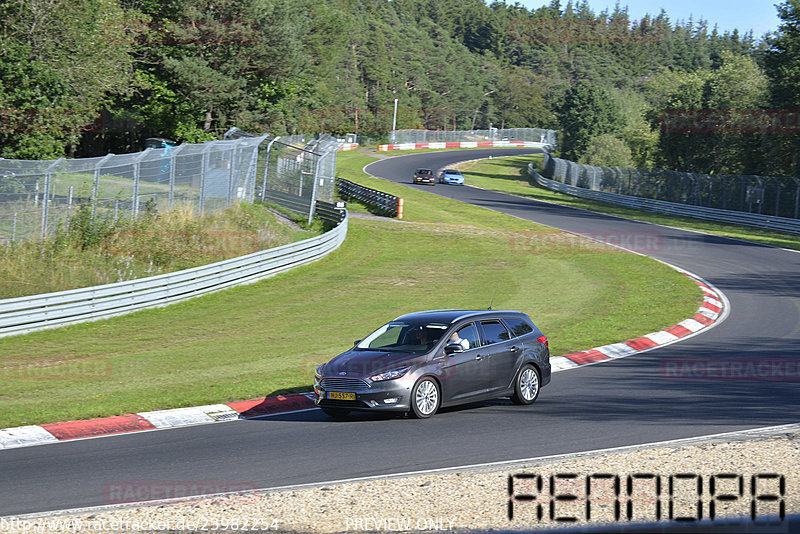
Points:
(387, 395)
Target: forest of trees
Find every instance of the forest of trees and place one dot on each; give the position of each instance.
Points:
(86, 77)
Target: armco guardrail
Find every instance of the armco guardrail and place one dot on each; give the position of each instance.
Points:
(383, 202)
(26, 314)
(782, 224)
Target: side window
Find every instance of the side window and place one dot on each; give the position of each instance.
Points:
(494, 332)
(518, 327)
(468, 337)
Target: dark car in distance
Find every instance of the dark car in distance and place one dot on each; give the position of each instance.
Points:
(420, 362)
(424, 176)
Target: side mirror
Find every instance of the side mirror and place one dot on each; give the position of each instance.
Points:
(357, 341)
(453, 348)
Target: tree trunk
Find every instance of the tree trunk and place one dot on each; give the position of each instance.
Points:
(209, 120)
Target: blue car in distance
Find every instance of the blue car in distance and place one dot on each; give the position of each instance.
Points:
(451, 176)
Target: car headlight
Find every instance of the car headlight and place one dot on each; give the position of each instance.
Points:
(389, 375)
(319, 371)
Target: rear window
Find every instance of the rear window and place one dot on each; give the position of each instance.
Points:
(518, 327)
(494, 331)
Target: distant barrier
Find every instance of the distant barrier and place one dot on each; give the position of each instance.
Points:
(757, 220)
(383, 202)
(761, 195)
(537, 136)
(463, 144)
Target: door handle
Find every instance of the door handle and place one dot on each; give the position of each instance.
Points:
(478, 357)
(514, 349)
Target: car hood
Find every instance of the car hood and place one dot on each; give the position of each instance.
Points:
(366, 363)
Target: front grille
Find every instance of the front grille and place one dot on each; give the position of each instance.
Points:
(353, 405)
(346, 384)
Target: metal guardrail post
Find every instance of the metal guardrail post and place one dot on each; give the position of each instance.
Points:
(46, 195)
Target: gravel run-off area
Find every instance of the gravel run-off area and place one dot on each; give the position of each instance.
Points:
(624, 481)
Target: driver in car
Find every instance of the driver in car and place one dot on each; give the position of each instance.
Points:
(463, 342)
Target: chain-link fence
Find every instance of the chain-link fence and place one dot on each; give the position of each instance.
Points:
(779, 196)
(534, 135)
(36, 197)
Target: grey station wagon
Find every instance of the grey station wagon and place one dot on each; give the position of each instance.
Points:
(422, 361)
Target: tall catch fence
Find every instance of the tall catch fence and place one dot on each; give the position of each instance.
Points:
(763, 195)
(36, 197)
(529, 135)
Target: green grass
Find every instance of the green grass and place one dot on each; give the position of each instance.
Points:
(156, 243)
(268, 337)
(509, 175)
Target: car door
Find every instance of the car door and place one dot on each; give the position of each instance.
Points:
(501, 352)
(464, 372)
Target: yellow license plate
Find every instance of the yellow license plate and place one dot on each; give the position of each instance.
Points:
(341, 395)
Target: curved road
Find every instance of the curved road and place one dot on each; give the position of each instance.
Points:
(618, 403)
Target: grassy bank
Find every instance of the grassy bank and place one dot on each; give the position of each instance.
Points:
(509, 175)
(268, 337)
(88, 253)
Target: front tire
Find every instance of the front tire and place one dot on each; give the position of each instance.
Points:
(425, 398)
(336, 413)
(526, 386)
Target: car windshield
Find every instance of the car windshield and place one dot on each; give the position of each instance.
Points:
(452, 171)
(404, 336)
(424, 171)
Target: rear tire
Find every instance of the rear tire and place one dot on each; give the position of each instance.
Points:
(425, 398)
(336, 413)
(527, 385)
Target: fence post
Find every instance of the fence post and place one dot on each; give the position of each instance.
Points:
(252, 171)
(14, 228)
(172, 164)
(205, 162)
(796, 196)
(46, 194)
(69, 206)
(136, 174)
(266, 170)
(96, 185)
(313, 203)
(231, 169)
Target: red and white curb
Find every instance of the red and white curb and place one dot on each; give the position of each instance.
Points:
(24, 436)
(713, 310)
(462, 144)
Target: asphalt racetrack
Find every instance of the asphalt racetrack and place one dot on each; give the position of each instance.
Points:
(621, 402)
